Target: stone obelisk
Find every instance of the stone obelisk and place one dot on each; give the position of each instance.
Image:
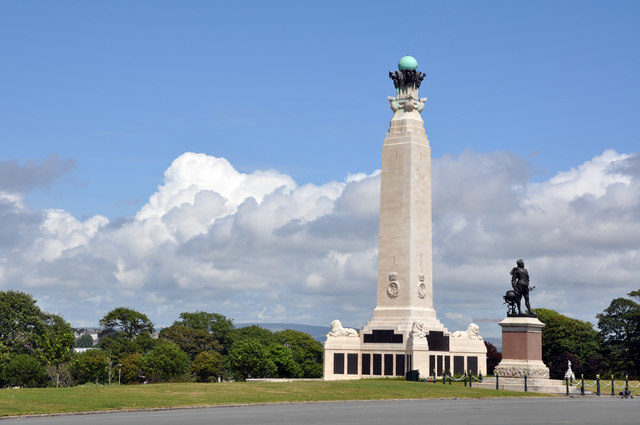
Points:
(404, 333)
(405, 282)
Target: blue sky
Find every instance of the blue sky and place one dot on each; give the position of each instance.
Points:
(125, 87)
(531, 105)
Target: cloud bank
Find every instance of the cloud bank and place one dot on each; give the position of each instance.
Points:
(260, 247)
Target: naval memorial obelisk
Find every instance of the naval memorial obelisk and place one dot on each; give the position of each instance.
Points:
(404, 332)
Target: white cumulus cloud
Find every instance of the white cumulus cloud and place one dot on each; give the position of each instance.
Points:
(258, 246)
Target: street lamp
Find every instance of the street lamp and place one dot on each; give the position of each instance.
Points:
(119, 372)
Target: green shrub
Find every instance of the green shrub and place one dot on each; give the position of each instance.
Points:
(25, 371)
(312, 369)
(207, 366)
(60, 375)
(166, 362)
(90, 366)
(131, 368)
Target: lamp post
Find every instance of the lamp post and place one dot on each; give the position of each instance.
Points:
(119, 372)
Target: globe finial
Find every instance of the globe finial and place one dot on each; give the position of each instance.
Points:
(408, 62)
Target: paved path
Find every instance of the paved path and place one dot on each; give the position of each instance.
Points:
(450, 412)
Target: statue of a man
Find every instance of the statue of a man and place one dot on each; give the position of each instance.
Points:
(520, 284)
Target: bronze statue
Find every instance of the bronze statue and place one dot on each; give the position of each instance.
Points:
(520, 284)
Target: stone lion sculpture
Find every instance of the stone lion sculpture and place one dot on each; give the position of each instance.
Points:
(338, 330)
(472, 332)
(417, 330)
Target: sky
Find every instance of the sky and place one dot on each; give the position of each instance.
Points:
(219, 156)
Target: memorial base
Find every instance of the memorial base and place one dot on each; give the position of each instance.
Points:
(522, 349)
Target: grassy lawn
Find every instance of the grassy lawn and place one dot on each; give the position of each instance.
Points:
(85, 398)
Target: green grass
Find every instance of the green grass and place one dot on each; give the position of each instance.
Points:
(92, 397)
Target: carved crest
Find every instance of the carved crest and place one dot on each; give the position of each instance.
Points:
(422, 288)
(393, 289)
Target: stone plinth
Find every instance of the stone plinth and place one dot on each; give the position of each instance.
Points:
(522, 349)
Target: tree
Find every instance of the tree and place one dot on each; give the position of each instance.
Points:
(191, 341)
(635, 294)
(282, 358)
(563, 337)
(25, 371)
(249, 358)
(84, 341)
(145, 343)
(207, 366)
(90, 366)
(216, 324)
(131, 368)
(304, 349)
(493, 357)
(5, 356)
(255, 333)
(22, 322)
(117, 346)
(57, 343)
(620, 330)
(166, 362)
(124, 320)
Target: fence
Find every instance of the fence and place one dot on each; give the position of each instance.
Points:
(597, 384)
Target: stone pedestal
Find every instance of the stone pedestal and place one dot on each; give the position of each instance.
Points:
(522, 349)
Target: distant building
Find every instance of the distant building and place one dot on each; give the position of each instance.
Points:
(94, 332)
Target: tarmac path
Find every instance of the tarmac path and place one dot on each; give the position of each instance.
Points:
(584, 411)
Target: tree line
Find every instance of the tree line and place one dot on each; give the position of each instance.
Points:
(36, 349)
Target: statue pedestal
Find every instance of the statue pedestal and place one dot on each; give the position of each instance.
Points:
(522, 349)
(522, 354)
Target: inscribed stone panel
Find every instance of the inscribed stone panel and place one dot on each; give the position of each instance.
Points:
(352, 363)
(388, 364)
(366, 364)
(338, 363)
(377, 364)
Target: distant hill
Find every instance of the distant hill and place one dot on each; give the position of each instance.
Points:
(319, 333)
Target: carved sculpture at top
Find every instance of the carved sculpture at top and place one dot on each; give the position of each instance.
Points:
(406, 78)
(338, 330)
(520, 284)
(407, 82)
(472, 332)
(417, 330)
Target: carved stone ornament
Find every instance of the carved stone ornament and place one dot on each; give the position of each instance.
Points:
(422, 288)
(393, 289)
(408, 103)
(338, 330)
(417, 330)
(532, 372)
(472, 332)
